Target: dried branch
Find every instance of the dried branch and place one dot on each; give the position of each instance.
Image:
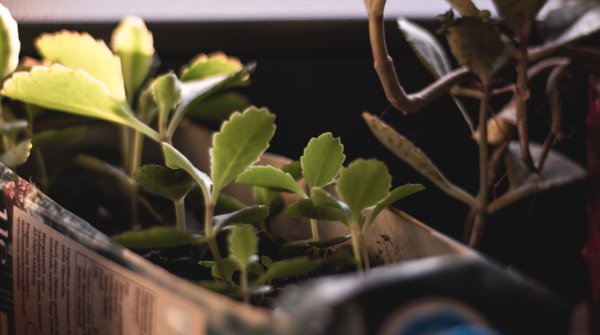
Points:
(522, 95)
(483, 196)
(384, 66)
(553, 91)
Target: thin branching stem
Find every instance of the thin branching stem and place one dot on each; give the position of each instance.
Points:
(483, 196)
(211, 238)
(522, 95)
(553, 92)
(384, 66)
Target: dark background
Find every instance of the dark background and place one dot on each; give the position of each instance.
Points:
(317, 76)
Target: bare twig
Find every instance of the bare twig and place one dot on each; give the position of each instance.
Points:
(483, 196)
(553, 91)
(522, 95)
(495, 160)
(384, 65)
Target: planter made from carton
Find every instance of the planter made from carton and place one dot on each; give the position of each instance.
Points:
(59, 275)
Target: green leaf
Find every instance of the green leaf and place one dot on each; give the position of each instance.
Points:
(134, 44)
(16, 156)
(163, 181)
(239, 144)
(264, 196)
(475, 44)
(396, 194)
(330, 242)
(54, 137)
(229, 265)
(156, 238)
(176, 160)
(80, 51)
(227, 203)
(266, 261)
(72, 91)
(204, 66)
(216, 108)
(166, 90)
(243, 245)
(147, 109)
(322, 160)
(558, 171)
(427, 48)
(195, 91)
(10, 46)
(363, 184)
(104, 169)
(250, 215)
(322, 198)
(270, 178)
(294, 169)
(413, 156)
(287, 269)
(13, 127)
(306, 209)
(320, 244)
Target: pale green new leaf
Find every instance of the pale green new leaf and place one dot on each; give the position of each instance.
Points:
(166, 90)
(10, 46)
(363, 183)
(426, 47)
(194, 92)
(163, 181)
(176, 160)
(17, 155)
(134, 44)
(204, 66)
(239, 144)
(413, 156)
(156, 238)
(270, 178)
(216, 108)
(243, 245)
(72, 91)
(396, 194)
(80, 51)
(322, 160)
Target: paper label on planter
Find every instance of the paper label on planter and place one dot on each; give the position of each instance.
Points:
(62, 287)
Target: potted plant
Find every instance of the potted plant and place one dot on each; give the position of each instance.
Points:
(87, 79)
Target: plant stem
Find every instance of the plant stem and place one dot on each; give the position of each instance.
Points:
(244, 285)
(180, 214)
(481, 216)
(364, 251)
(41, 167)
(134, 164)
(522, 95)
(356, 245)
(384, 66)
(211, 239)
